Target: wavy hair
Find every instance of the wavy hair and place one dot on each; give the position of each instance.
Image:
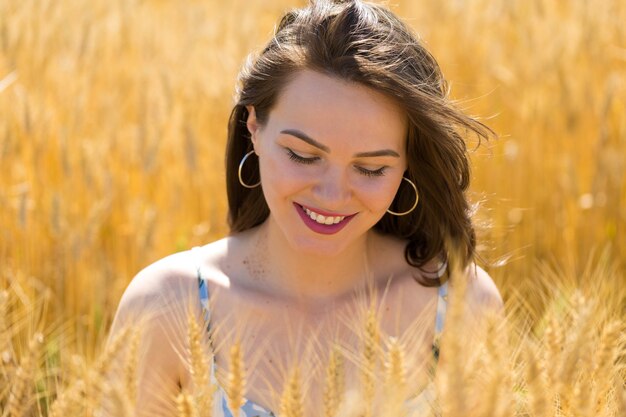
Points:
(367, 44)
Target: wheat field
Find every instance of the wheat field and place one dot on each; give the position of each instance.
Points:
(112, 131)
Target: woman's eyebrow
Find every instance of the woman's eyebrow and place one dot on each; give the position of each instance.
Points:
(303, 136)
(306, 138)
(382, 152)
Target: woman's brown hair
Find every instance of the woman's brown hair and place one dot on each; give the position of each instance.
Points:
(367, 44)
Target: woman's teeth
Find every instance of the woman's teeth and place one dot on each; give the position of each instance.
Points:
(323, 219)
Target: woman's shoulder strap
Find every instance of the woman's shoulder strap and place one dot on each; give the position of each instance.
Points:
(203, 290)
(440, 317)
(442, 306)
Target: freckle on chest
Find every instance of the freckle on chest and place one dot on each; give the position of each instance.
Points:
(254, 264)
(255, 269)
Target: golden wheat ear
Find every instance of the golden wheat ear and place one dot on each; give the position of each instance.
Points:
(6, 348)
(395, 383)
(536, 385)
(99, 381)
(452, 369)
(620, 394)
(612, 344)
(185, 405)
(334, 385)
(5, 338)
(199, 360)
(494, 388)
(120, 402)
(99, 388)
(130, 367)
(292, 400)
(370, 354)
(20, 394)
(352, 405)
(236, 380)
(118, 386)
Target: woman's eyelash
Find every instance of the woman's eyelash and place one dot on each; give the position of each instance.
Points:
(300, 159)
(372, 173)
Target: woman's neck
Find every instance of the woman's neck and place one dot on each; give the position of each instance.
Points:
(309, 278)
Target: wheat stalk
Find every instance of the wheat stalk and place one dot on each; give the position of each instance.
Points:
(96, 382)
(19, 394)
(71, 401)
(620, 394)
(552, 355)
(604, 362)
(334, 387)
(200, 367)
(120, 400)
(130, 368)
(535, 383)
(395, 378)
(371, 337)
(291, 403)
(84, 394)
(493, 398)
(106, 358)
(236, 382)
(5, 340)
(353, 405)
(452, 373)
(185, 405)
(574, 358)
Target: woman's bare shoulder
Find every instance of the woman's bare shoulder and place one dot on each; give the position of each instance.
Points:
(170, 282)
(177, 274)
(160, 282)
(482, 292)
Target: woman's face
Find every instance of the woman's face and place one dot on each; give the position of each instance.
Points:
(331, 156)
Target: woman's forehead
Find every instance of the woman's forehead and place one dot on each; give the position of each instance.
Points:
(328, 107)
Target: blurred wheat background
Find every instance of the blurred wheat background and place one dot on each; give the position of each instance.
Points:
(112, 130)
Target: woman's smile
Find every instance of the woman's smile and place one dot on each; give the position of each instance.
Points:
(323, 222)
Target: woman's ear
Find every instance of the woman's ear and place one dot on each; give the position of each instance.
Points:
(252, 124)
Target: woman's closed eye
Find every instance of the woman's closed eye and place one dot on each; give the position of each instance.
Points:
(301, 159)
(371, 172)
(310, 160)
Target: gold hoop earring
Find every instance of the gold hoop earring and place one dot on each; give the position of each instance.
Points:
(417, 199)
(243, 160)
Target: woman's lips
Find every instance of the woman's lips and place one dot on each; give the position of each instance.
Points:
(323, 222)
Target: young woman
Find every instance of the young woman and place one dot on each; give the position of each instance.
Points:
(346, 169)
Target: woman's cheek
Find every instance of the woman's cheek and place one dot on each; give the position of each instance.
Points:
(281, 173)
(379, 192)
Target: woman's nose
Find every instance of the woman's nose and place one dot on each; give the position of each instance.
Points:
(333, 189)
